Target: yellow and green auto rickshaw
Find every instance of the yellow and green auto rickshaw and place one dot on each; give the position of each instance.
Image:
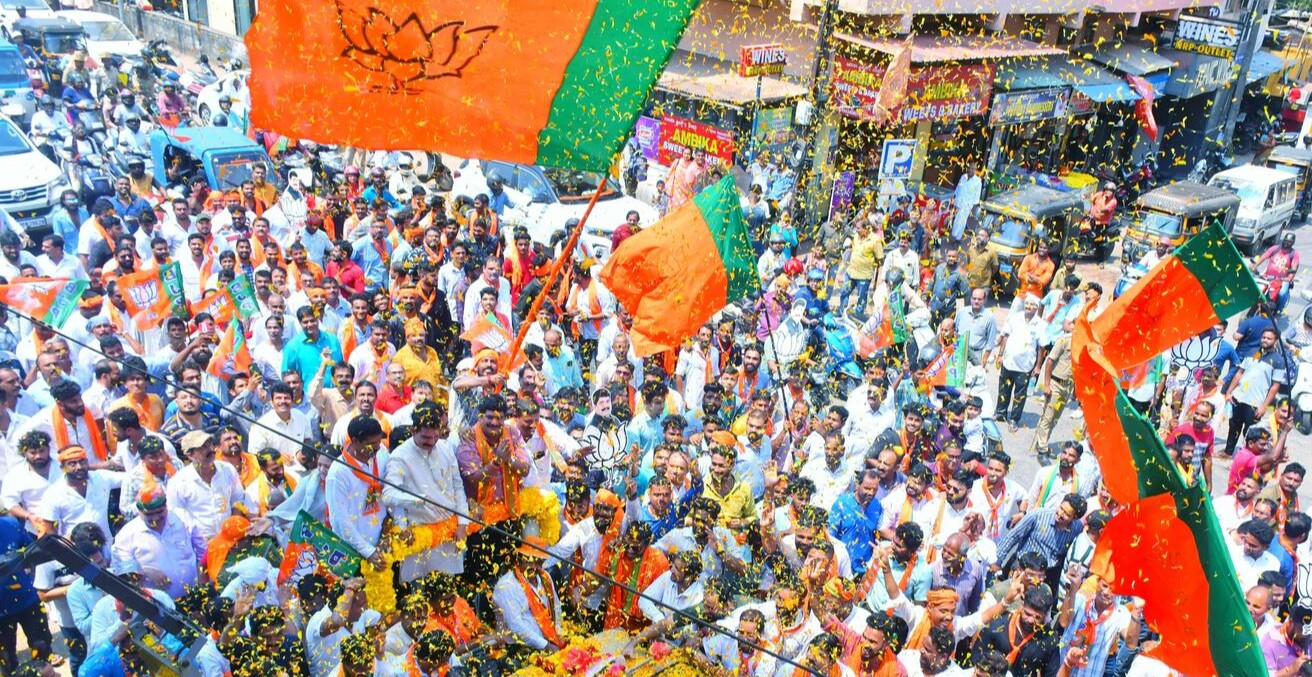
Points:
(1023, 216)
(1176, 211)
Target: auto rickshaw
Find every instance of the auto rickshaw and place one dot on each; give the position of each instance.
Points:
(224, 156)
(1296, 161)
(1021, 217)
(54, 40)
(1177, 211)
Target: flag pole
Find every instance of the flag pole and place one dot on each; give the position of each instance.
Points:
(559, 265)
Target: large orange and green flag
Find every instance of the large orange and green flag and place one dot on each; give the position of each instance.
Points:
(49, 300)
(534, 81)
(673, 276)
(1166, 545)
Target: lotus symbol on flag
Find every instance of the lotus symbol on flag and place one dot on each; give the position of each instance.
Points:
(405, 50)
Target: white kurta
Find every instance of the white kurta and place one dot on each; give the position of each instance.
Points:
(434, 475)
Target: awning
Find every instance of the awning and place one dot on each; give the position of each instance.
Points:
(1264, 64)
(940, 48)
(1129, 58)
(730, 88)
(1086, 77)
(1024, 74)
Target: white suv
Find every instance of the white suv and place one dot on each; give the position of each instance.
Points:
(30, 183)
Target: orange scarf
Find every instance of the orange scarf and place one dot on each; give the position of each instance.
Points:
(350, 338)
(149, 419)
(99, 449)
(494, 512)
(542, 613)
(462, 624)
(1013, 630)
(621, 604)
(594, 305)
(995, 506)
(916, 639)
(885, 666)
(374, 492)
(264, 489)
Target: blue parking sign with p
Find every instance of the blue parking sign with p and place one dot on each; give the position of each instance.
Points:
(898, 157)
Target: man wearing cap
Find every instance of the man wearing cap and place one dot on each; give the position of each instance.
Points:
(167, 549)
(206, 492)
(81, 495)
(355, 492)
(528, 600)
(154, 465)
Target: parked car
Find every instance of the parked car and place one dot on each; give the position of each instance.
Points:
(545, 199)
(105, 34)
(30, 183)
(232, 85)
(16, 83)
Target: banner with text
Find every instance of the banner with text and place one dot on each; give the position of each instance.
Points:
(1013, 108)
(680, 133)
(933, 92)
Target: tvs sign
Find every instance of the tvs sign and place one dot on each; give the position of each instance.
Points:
(761, 60)
(1209, 37)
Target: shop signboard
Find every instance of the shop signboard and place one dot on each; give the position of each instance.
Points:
(773, 126)
(897, 159)
(1013, 108)
(679, 133)
(933, 92)
(1079, 104)
(756, 60)
(648, 132)
(1216, 38)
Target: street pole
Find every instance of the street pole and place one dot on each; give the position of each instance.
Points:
(802, 191)
(1250, 39)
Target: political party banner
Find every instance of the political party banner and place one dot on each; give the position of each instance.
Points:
(680, 133)
(844, 189)
(218, 304)
(171, 275)
(50, 301)
(312, 546)
(144, 295)
(957, 365)
(243, 297)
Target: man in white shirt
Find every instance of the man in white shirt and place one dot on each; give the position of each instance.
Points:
(206, 492)
(1018, 351)
(527, 587)
(697, 366)
(331, 621)
(997, 497)
(282, 427)
(24, 487)
(679, 588)
(491, 277)
(1251, 555)
(425, 467)
(81, 495)
(831, 475)
(168, 549)
(355, 496)
(54, 263)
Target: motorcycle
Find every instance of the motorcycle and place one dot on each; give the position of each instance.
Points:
(89, 175)
(837, 373)
(1213, 161)
(1129, 277)
(87, 113)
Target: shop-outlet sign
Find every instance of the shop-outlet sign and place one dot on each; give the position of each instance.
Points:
(762, 60)
(933, 92)
(1210, 37)
(1011, 108)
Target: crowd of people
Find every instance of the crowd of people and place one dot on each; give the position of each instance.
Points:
(715, 499)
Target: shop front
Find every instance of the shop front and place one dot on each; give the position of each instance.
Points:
(1115, 139)
(1030, 128)
(1186, 107)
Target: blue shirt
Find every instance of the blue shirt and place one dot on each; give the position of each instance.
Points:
(366, 256)
(1250, 334)
(134, 207)
(16, 591)
(679, 507)
(499, 202)
(646, 432)
(372, 192)
(304, 356)
(1286, 560)
(855, 527)
(63, 225)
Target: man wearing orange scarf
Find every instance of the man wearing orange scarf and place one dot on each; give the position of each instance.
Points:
(70, 422)
(591, 539)
(519, 266)
(528, 600)
(155, 467)
(149, 407)
(493, 463)
(634, 564)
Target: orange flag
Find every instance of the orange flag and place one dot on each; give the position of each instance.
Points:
(218, 304)
(231, 356)
(487, 332)
(893, 91)
(877, 333)
(143, 293)
(50, 301)
(581, 71)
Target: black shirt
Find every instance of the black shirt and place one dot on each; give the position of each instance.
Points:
(1039, 657)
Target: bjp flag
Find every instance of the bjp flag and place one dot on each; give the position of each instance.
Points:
(50, 301)
(533, 81)
(143, 293)
(231, 356)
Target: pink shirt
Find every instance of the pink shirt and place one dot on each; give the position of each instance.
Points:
(1244, 466)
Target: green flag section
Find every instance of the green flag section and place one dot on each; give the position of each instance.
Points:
(534, 81)
(1166, 545)
(51, 301)
(243, 297)
(313, 546)
(673, 276)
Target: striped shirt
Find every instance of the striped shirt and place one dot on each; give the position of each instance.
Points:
(1038, 532)
(1106, 635)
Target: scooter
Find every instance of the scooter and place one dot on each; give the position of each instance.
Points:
(88, 114)
(1129, 277)
(1301, 392)
(838, 372)
(89, 176)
